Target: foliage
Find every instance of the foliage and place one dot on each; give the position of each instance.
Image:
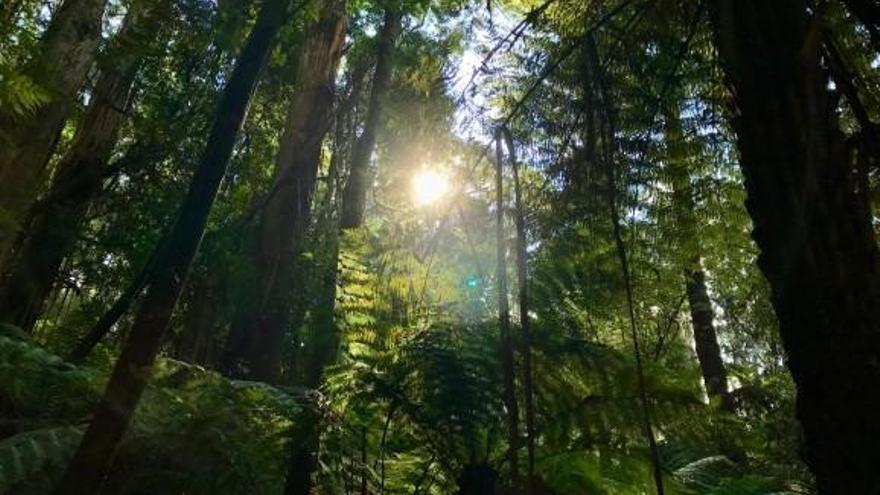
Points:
(194, 432)
(393, 350)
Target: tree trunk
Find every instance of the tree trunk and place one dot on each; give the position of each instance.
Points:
(702, 314)
(818, 250)
(303, 459)
(286, 215)
(90, 463)
(506, 354)
(355, 195)
(476, 479)
(306, 440)
(705, 337)
(103, 326)
(605, 113)
(524, 318)
(194, 344)
(55, 222)
(66, 53)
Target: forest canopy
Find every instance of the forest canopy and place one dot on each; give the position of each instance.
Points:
(519, 247)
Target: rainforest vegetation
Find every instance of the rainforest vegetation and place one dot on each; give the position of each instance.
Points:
(475, 247)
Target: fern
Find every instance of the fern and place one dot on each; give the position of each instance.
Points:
(37, 384)
(20, 96)
(32, 461)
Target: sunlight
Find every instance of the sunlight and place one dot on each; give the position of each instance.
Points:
(429, 186)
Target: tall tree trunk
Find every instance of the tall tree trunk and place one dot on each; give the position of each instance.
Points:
(90, 463)
(702, 314)
(306, 441)
(66, 53)
(818, 250)
(605, 113)
(55, 222)
(355, 195)
(286, 215)
(524, 318)
(508, 371)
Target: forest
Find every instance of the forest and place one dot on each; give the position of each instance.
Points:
(428, 247)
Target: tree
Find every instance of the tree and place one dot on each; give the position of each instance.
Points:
(505, 346)
(355, 194)
(55, 222)
(818, 251)
(701, 310)
(285, 215)
(92, 459)
(62, 62)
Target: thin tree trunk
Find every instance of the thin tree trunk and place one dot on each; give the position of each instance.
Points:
(355, 195)
(702, 314)
(103, 326)
(706, 339)
(364, 462)
(64, 58)
(56, 221)
(606, 114)
(508, 372)
(286, 215)
(817, 245)
(91, 461)
(524, 318)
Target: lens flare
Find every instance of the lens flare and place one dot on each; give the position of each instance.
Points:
(429, 186)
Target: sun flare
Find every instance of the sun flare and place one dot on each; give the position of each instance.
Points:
(429, 186)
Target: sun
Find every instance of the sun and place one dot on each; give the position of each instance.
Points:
(429, 186)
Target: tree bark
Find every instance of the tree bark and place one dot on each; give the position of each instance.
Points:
(91, 461)
(705, 338)
(65, 56)
(702, 314)
(194, 343)
(55, 222)
(355, 195)
(818, 250)
(304, 453)
(286, 215)
(506, 353)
